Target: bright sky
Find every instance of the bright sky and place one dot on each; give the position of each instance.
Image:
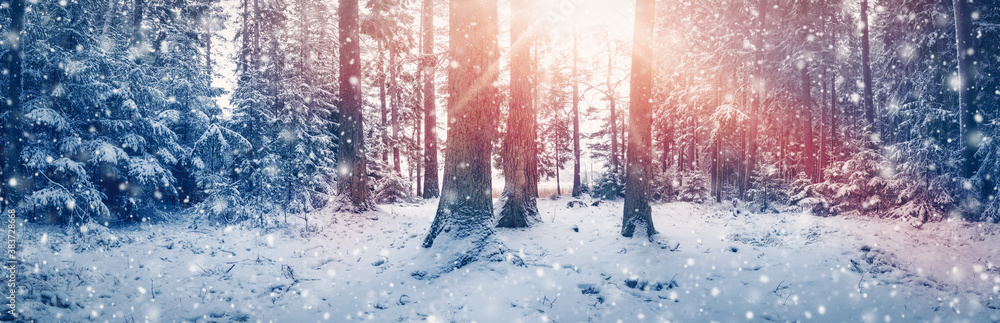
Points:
(591, 15)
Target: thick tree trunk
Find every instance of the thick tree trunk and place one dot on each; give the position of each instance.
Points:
(14, 183)
(577, 186)
(518, 207)
(353, 182)
(430, 115)
(866, 71)
(969, 127)
(637, 215)
(465, 211)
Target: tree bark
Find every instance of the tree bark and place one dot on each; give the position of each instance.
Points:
(518, 207)
(577, 185)
(465, 211)
(244, 44)
(969, 127)
(614, 116)
(14, 183)
(353, 182)
(809, 153)
(208, 35)
(758, 90)
(430, 115)
(417, 120)
(382, 100)
(137, 21)
(822, 136)
(637, 215)
(866, 71)
(395, 98)
(614, 135)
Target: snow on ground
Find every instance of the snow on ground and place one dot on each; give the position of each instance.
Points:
(707, 265)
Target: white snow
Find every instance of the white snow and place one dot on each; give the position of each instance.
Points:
(706, 265)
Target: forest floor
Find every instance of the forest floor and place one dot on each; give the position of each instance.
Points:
(708, 264)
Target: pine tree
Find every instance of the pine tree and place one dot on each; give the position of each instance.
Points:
(14, 183)
(637, 217)
(428, 62)
(463, 225)
(520, 158)
(353, 179)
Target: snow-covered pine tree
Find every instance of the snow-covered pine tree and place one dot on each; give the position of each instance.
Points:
(102, 149)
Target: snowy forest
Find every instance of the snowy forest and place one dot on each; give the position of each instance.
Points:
(500, 160)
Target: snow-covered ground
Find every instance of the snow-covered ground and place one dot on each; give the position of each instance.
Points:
(708, 265)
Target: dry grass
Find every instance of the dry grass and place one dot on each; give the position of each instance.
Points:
(545, 190)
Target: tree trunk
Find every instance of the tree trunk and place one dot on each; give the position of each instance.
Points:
(382, 100)
(430, 115)
(755, 106)
(465, 211)
(716, 167)
(14, 184)
(637, 215)
(809, 151)
(518, 207)
(353, 182)
(622, 136)
(614, 116)
(244, 44)
(417, 120)
(577, 186)
(681, 149)
(969, 127)
(667, 140)
(137, 21)
(693, 148)
(614, 136)
(394, 96)
(866, 71)
(834, 132)
(822, 136)
(208, 35)
(303, 40)
(255, 54)
(716, 143)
